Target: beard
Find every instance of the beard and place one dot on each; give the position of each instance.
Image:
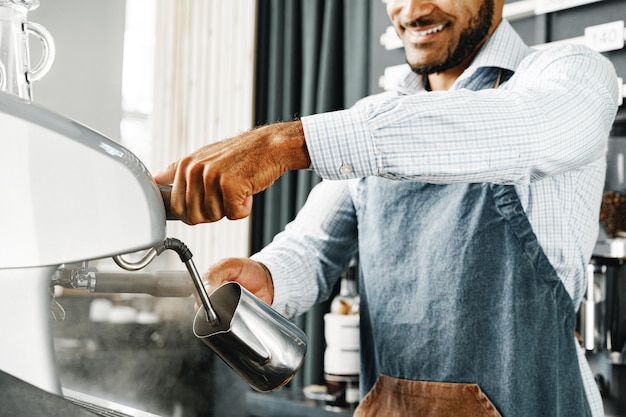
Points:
(469, 40)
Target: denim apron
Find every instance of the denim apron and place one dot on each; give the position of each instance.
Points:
(462, 314)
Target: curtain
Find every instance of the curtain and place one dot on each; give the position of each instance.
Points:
(203, 92)
(312, 57)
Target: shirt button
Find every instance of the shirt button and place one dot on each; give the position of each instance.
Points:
(345, 169)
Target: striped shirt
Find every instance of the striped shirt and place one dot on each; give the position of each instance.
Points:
(544, 130)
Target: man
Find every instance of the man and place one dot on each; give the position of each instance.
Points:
(471, 195)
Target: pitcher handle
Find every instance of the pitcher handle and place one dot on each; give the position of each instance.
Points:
(48, 52)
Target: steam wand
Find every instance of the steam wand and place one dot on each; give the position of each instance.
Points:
(185, 256)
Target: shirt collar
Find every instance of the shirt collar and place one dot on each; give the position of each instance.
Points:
(503, 50)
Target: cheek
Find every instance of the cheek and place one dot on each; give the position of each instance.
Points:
(394, 7)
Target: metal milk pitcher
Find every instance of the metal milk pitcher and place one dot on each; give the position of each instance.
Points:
(260, 345)
(16, 73)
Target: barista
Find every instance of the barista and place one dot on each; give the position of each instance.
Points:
(471, 194)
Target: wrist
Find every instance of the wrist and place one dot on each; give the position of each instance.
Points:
(291, 145)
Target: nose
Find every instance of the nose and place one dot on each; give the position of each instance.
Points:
(409, 10)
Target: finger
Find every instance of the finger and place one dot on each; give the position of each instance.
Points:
(253, 276)
(237, 203)
(239, 211)
(177, 196)
(166, 177)
(221, 272)
(203, 201)
(213, 205)
(194, 200)
(247, 202)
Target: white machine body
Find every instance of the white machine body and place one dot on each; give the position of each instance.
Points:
(69, 194)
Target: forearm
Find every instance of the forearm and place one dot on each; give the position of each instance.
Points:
(306, 259)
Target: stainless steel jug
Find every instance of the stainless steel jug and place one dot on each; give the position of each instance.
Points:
(16, 72)
(260, 345)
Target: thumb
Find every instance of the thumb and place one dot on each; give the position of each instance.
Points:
(166, 176)
(223, 271)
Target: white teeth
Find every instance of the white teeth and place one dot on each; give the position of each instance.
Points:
(429, 31)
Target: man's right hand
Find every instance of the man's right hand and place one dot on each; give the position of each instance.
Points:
(252, 275)
(219, 180)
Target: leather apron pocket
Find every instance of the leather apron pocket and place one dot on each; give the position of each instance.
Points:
(394, 397)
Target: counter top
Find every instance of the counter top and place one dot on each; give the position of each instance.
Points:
(287, 404)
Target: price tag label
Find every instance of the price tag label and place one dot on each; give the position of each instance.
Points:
(605, 37)
(546, 6)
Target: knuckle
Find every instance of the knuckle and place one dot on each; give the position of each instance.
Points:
(185, 162)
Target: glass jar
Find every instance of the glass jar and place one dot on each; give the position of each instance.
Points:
(16, 73)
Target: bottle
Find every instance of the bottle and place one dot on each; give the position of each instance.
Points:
(347, 301)
(342, 354)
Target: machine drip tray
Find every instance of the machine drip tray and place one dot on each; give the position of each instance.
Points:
(21, 399)
(102, 407)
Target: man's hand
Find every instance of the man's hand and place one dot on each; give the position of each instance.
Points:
(220, 179)
(252, 275)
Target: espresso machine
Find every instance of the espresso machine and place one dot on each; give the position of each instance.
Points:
(70, 195)
(602, 316)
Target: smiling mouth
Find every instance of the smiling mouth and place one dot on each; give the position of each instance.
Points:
(428, 31)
